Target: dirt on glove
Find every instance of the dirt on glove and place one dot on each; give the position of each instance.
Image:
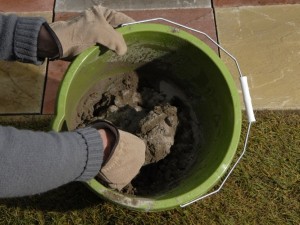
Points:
(155, 110)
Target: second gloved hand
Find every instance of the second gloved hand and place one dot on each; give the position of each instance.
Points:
(93, 26)
(125, 158)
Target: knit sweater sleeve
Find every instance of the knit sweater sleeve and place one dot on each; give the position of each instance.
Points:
(19, 37)
(35, 162)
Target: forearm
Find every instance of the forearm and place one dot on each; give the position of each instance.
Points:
(35, 162)
(26, 39)
(7, 28)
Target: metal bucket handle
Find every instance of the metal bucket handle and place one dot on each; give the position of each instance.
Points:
(245, 92)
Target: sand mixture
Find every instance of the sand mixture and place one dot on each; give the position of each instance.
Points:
(155, 110)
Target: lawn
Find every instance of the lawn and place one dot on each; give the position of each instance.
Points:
(264, 188)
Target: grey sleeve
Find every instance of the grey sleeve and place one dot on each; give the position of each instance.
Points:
(19, 37)
(35, 162)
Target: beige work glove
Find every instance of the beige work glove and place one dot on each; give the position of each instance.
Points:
(126, 157)
(93, 26)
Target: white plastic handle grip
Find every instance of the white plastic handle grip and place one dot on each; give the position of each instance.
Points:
(247, 99)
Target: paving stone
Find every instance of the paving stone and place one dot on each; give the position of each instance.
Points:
(56, 71)
(236, 3)
(79, 5)
(265, 41)
(26, 5)
(22, 85)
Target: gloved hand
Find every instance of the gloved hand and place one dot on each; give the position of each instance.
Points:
(93, 26)
(126, 157)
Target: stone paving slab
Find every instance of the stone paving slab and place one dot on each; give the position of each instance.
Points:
(237, 3)
(79, 5)
(21, 84)
(265, 41)
(26, 5)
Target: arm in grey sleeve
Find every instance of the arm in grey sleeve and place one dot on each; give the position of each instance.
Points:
(35, 162)
(19, 38)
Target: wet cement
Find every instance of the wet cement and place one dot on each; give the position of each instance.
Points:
(155, 110)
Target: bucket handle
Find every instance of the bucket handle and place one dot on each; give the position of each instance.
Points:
(246, 98)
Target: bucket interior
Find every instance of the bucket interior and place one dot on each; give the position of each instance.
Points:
(196, 70)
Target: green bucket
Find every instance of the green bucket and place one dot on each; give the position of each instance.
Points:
(214, 99)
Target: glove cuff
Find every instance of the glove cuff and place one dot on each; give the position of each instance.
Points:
(126, 158)
(55, 38)
(103, 124)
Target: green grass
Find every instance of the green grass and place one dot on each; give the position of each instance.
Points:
(264, 188)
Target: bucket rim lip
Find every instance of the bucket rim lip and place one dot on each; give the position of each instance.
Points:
(159, 204)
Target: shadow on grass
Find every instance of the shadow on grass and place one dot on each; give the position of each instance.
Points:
(72, 196)
(264, 189)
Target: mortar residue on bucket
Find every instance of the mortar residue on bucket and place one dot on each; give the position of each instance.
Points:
(155, 109)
